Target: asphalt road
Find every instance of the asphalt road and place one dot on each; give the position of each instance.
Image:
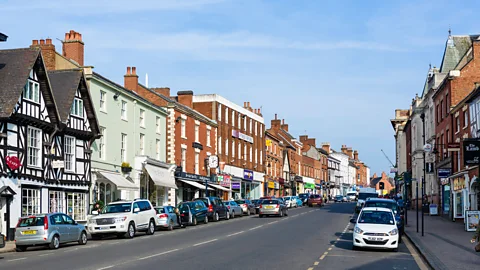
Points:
(309, 238)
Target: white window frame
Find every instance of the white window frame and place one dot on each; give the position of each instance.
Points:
(142, 144)
(69, 150)
(197, 133)
(77, 201)
(157, 148)
(226, 147)
(183, 128)
(184, 159)
(142, 118)
(233, 148)
(233, 118)
(101, 143)
(123, 147)
(103, 101)
(256, 131)
(239, 151)
(251, 151)
(260, 131)
(219, 145)
(208, 137)
(77, 108)
(28, 94)
(250, 126)
(56, 200)
(261, 157)
(256, 156)
(197, 163)
(157, 123)
(465, 117)
(239, 121)
(245, 152)
(226, 115)
(219, 112)
(124, 110)
(32, 204)
(34, 147)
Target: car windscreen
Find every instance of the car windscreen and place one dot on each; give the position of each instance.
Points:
(389, 205)
(270, 202)
(30, 222)
(203, 200)
(117, 208)
(364, 196)
(240, 201)
(376, 217)
(226, 203)
(160, 210)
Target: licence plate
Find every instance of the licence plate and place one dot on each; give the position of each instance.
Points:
(375, 238)
(29, 232)
(314, 203)
(268, 207)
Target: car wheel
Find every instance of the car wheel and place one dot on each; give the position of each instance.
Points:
(205, 220)
(20, 248)
(55, 243)
(96, 236)
(151, 228)
(286, 212)
(227, 215)
(216, 217)
(194, 221)
(233, 214)
(83, 239)
(260, 216)
(130, 231)
(248, 212)
(170, 225)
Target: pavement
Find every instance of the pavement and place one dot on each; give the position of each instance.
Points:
(308, 239)
(445, 244)
(9, 247)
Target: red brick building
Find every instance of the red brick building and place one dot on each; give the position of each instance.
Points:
(241, 143)
(388, 184)
(311, 167)
(274, 148)
(362, 172)
(191, 138)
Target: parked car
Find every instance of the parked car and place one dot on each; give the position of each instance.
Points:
(247, 206)
(351, 196)
(257, 205)
(193, 212)
(124, 219)
(375, 227)
(234, 209)
(272, 207)
(290, 201)
(299, 201)
(340, 198)
(267, 197)
(216, 208)
(314, 200)
(166, 217)
(2, 240)
(303, 197)
(392, 205)
(48, 230)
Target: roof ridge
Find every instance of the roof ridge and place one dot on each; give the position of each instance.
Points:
(21, 49)
(65, 70)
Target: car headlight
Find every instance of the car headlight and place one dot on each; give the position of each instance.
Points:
(357, 230)
(120, 219)
(393, 232)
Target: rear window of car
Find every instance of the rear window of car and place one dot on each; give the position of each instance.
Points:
(203, 200)
(160, 210)
(31, 221)
(389, 205)
(240, 201)
(270, 202)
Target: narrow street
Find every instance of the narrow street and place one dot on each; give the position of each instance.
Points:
(309, 238)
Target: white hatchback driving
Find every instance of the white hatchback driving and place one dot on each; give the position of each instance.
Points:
(375, 227)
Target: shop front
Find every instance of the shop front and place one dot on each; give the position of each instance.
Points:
(308, 185)
(246, 184)
(299, 185)
(271, 188)
(222, 186)
(475, 193)
(281, 187)
(460, 197)
(192, 186)
(157, 181)
(111, 186)
(276, 189)
(443, 175)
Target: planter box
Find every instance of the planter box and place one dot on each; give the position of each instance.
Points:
(126, 170)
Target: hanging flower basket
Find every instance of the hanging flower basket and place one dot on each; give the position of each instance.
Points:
(126, 168)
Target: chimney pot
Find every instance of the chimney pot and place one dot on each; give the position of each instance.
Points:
(275, 116)
(42, 41)
(129, 71)
(259, 111)
(34, 42)
(49, 41)
(283, 121)
(244, 104)
(134, 70)
(248, 104)
(67, 36)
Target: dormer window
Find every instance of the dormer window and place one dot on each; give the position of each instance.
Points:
(77, 107)
(31, 91)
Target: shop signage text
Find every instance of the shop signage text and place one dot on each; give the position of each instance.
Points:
(224, 180)
(245, 137)
(298, 178)
(13, 162)
(471, 152)
(248, 175)
(444, 173)
(195, 177)
(58, 164)
(235, 185)
(271, 184)
(459, 183)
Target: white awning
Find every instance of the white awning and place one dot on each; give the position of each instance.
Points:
(195, 184)
(161, 176)
(219, 187)
(308, 180)
(118, 180)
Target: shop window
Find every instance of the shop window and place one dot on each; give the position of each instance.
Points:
(57, 199)
(102, 192)
(108, 193)
(76, 203)
(30, 201)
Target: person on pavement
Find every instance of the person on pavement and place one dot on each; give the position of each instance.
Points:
(400, 202)
(179, 219)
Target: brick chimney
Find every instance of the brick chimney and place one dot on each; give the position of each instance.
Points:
(185, 98)
(350, 152)
(259, 112)
(131, 79)
(165, 91)
(355, 155)
(73, 47)
(326, 147)
(284, 126)
(384, 175)
(375, 175)
(276, 123)
(303, 138)
(48, 52)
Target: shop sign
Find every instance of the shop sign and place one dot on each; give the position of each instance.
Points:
(271, 185)
(471, 152)
(298, 178)
(248, 174)
(472, 218)
(13, 162)
(268, 143)
(444, 173)
(276, 185)
(459, 183)
(235, 185)
(195, 177)
(245, 137)
(444, 181)
(224, 180)
(58, 164)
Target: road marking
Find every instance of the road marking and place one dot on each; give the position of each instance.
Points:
(311, 268)
(316, 263)
(421, 264)
(235, 233)
(46, 254)
(329, 248)
(323, 257)
(70, 250)
(325, 253)
(12, 260)
(206, 242)
(333, 245)
(251, 229)
(272, 222)
(159, 254)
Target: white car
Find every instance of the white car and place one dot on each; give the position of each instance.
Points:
(123, 218)
(375, 227)
(290, 201)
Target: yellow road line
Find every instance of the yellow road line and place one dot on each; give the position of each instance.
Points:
(323, 256)
(316, 263)
(329, 248)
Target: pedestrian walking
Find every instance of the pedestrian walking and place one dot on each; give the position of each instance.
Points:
(179, 218)
(476, 237)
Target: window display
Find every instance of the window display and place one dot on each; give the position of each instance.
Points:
(30, 201)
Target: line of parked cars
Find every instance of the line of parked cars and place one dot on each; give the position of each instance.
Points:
(125, 218)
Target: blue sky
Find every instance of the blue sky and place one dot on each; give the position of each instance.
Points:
(334, 69)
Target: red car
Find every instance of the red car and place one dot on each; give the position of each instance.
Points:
(314, 200)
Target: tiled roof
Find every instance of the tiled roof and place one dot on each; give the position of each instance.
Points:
(64, 86)
(3, 37)
(374, 181)
(455, 48)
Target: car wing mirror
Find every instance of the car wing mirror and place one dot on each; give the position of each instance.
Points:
(136, 210)
(94, 212)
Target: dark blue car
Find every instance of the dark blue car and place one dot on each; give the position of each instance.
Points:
(390, 204)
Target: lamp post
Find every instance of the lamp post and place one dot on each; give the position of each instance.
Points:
(422, 116)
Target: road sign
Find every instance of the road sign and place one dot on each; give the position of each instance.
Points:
(427, 148)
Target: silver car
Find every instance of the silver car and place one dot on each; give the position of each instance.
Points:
(49, 230)
(166, 217)
(233, 208)
(272, 207)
